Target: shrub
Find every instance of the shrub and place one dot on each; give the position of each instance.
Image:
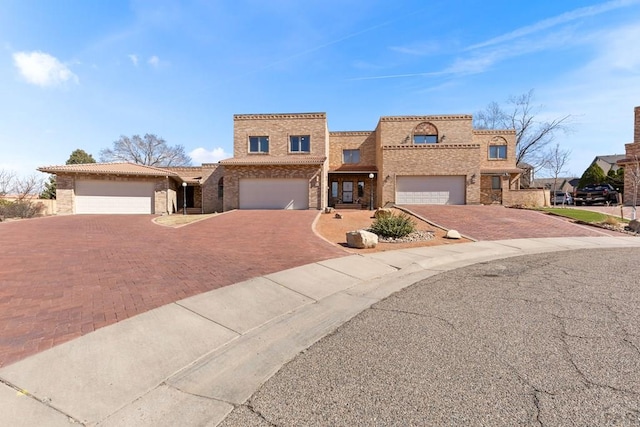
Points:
(20, 209)
(393, 226)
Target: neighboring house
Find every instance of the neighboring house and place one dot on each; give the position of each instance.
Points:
(631, 164)
(562, 184)
(609, 162)
(293, 161)
(127, 188)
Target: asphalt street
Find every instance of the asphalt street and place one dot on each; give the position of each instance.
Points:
(541, 340)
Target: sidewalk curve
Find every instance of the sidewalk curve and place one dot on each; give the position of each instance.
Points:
(191, 362)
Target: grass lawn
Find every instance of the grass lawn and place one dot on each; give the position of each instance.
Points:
(583, 215)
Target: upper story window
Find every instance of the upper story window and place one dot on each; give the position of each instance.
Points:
(258, 144)
(425, 133)
(350, 156)
(497, 152)
(425, 139)
(300, 144)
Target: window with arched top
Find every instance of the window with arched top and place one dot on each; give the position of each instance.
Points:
(497, 148)
(425, 133)
(221, 188)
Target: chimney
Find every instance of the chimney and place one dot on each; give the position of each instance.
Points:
(636, 128)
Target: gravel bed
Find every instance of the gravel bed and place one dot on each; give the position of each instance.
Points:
(416, 236)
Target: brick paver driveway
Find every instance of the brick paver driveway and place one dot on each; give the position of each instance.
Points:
(498, 222)
(62, 277)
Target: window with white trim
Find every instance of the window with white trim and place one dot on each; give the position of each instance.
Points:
(497, 152)
(258, 144)
(300, 143)
(425, 139)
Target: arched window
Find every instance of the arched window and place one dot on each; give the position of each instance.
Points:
(221, 188)
(497, 148)
(425, 133)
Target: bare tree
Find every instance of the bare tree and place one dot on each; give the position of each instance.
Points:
(532, 135)
(148, 150)
(23, 191)
(554, 162)
(7, 179)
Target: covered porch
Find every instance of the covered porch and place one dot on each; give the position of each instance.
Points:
(352, 188)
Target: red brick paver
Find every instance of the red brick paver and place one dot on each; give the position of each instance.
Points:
(498, 222)
(62, 277)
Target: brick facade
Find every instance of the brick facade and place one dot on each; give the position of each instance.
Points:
(389, 151)
(631, 164)
(449, 147)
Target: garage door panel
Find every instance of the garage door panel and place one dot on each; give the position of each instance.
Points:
(430, 190)
(274, 194)
(114, 197)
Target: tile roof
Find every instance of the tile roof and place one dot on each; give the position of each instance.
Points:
(501, 170)
(258, 160)
(123, 168)
(354, 168)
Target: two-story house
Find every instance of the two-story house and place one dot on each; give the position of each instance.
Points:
(293, 161)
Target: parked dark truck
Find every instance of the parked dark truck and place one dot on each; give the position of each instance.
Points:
(595, 193)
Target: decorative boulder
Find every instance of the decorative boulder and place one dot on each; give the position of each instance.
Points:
(634, 225)
(453, 234)
(361, 239)
(382, 213)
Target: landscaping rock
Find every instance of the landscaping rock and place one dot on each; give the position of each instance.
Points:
(362, 239)
(634, 225)
(453, 234)
(382, 213)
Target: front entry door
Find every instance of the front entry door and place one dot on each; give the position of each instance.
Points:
(347, 192)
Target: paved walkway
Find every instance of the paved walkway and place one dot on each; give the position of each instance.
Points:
(62, 277)
(498, 222)
(192, 362)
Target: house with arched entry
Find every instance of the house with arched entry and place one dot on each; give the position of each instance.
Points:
(293, 161)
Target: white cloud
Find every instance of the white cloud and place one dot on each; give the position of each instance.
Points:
(154, 61)
(134, 59)
(556, 20)
(42, 69)
(202, 155)
(418, 49)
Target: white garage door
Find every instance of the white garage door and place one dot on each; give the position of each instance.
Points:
(114, 197)
(430, 190)
(274, 194)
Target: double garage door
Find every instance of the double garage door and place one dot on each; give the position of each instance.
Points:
(114, 197)
(430, 190)
(274, 194)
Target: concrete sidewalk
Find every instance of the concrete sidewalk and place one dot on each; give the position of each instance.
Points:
(193, 361)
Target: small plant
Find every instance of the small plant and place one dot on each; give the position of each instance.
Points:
(394, 226)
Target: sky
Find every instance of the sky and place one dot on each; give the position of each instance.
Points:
(80, 74)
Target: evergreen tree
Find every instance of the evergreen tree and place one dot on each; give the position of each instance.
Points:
(593, 175)
(77, 157)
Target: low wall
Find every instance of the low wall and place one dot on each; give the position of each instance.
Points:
(48, 206)
(533, 197)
